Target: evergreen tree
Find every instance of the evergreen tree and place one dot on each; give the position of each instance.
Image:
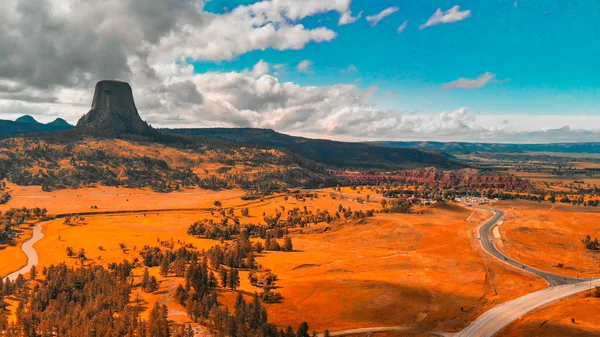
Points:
(288, 244)
(233, 279)
(145, 281)
(303, 330)
(165, 267)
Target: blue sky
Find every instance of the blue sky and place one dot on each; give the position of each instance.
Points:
(451, 70)
(544, 54)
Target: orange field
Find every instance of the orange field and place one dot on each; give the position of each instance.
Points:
(556, 320)
(12, 257)
(422, 270)
(544, 236)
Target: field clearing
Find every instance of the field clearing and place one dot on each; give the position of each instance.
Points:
(555, 320)
(116, 199)
(419, 270)
(585, 165)
(543, 236)
(423, 270)
(12, 257)
(547, 177)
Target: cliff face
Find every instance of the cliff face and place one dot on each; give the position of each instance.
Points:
(113, 111)
(443, 179)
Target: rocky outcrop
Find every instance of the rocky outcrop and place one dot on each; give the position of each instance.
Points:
(113, 111)
(445, 179)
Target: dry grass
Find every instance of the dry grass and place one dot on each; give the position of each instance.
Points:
(423, 270)
(115, 199)
(555, 320)
(12, 257)
(543, 236)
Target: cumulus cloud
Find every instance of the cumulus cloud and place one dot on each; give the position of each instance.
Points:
(375, 19)
(402, 27)
(454, 14)
(73, 43)
(305, 66)
(175, 96)
(475, 83)
(347, 18)
(55, 51)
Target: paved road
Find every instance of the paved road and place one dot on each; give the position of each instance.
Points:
(27, 248)
(487, 241)
(496, 319)
(384, 329)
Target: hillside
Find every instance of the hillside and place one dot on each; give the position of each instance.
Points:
(81, 162)
(331, 153)
(457, 147)
(27, 124)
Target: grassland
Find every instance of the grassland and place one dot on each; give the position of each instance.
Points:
(422, 270)
(546, 235)
(577, 316)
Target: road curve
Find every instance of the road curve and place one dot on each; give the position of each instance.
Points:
(487, 241)
(27, 248)
(494, 320)
(383, 329)
(486, 325)
(37, 235)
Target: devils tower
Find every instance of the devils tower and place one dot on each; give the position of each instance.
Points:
(113, 111)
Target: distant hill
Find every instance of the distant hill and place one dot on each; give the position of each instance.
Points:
(27, 124)
(496, 148)
(333, 153)
(59, 122)
(26, 119)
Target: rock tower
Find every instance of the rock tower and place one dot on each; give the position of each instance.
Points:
(113, 111)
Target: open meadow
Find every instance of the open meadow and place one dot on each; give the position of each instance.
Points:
(577, 316)
(550, 237)
(423, 270)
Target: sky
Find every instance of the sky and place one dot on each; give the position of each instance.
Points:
(460, 70)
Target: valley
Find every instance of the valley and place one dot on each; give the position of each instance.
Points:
(250, 232)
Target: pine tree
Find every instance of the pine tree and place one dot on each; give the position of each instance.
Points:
(223, 273)
(33, 272)
(164, 267)
(288, 244)
(152, 284)
(145, 279)
(233, 280)
(303, 330)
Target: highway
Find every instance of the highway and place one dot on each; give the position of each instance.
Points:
(494, 320)
(487, 241)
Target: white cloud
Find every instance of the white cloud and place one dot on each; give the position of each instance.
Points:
(347, 18)
(466, 83)
(150, 44)
(178, 97)
(402, 27)
(102, 39)
(261, 68)
(454, 14)
(375, 19)
(305, 66)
